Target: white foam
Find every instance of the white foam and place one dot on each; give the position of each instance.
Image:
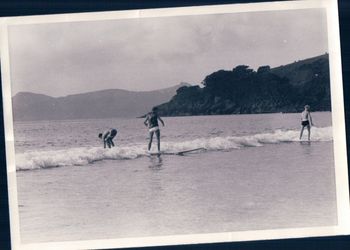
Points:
(87, 155)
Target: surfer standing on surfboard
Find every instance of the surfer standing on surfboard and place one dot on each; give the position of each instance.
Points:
(152, 123)
(306, 121)
(107, 137)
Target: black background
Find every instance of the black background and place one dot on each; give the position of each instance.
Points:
(20, 8)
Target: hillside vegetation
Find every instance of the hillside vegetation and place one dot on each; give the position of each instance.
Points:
(245, 91)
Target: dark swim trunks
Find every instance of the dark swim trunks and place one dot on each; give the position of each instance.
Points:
(305, 123)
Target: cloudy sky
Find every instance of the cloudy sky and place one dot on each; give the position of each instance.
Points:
(59, 59)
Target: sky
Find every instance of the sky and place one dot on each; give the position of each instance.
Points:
(59, 59)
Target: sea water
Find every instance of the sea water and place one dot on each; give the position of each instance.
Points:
(253, 174)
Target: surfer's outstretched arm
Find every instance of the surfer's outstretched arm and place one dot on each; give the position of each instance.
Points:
(146, 121)
(160, 119)
(310, 118)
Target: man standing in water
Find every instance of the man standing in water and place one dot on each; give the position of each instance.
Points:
(152, 123)
(107, 137)
(306, 121)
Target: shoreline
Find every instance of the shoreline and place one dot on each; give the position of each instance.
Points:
(139, 117)
(242, 114)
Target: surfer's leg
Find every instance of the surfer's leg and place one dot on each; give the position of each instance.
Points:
(309, 132)
(301, 132)
(150, 140)
(158, 139)
(111, 141)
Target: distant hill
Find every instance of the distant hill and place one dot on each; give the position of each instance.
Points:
(303, 71)
(245, 91)
(99, 104)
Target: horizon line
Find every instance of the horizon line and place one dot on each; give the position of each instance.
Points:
(181, 83)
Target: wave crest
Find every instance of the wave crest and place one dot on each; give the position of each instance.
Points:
(87, 155)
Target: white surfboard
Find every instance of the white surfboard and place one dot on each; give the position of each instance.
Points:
(176, 153)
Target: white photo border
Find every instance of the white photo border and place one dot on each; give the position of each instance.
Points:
(338, 123)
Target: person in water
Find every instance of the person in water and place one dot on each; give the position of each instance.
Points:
(306, 121)
(152, 123)
(108, 137)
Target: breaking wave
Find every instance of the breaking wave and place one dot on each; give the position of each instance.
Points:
(86, 155)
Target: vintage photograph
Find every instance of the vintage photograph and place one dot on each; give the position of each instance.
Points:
(172, 125)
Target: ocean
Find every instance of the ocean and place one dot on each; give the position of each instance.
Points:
(252, 174)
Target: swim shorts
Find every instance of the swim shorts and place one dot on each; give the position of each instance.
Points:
(305, 123)
(154, 129)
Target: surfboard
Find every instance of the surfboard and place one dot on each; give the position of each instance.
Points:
(189, 151)
(181, 153)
